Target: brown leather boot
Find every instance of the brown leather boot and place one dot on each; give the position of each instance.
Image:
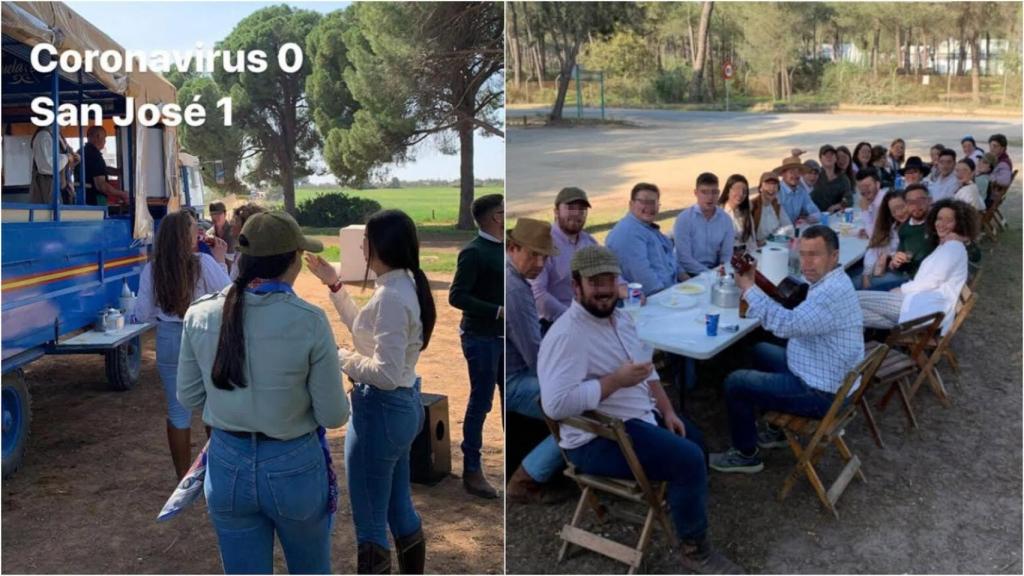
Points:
(476, 484)
(412, 553)
(523, 489)
(699, 557)
(180, 442)
(372, 559)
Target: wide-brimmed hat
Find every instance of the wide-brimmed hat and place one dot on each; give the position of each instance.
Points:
(594, 260)
(571, 194)
(534, 235)
(915, 163)
(272, 233)
(792, 162)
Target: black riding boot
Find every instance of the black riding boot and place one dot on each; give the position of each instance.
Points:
(412, 553)
(372, 559)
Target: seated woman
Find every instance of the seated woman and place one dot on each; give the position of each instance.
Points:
(735, 201)
(766, 212)
(880, 160)
(942, 275)
(968, 191)
(986, 165)
(883, 243)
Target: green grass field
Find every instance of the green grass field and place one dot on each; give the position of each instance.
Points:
(426, 206)
(430, 261)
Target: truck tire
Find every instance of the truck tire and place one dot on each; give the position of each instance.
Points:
(17, 420)
(123, 365)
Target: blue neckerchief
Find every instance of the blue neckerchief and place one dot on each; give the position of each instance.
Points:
(271, 286)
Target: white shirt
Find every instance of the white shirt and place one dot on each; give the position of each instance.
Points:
(770, 221)
(577, 351)
(939, 187)
(42, 153)
(212, 279)
(869, 214)
(969, 193)
(936, 286)
(873, 255)
(387, 333)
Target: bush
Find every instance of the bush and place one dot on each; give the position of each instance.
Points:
(854, 84)
(670, 86)
(335, 209)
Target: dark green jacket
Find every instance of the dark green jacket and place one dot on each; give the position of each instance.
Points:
(479, 287)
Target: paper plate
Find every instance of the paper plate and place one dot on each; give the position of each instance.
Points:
(690, 289)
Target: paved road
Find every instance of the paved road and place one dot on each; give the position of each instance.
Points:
(670, 148)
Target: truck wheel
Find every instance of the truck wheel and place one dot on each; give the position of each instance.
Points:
(17, 418)
(123, 364)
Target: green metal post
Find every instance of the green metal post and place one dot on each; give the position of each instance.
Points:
(579, 96)
(601, 77)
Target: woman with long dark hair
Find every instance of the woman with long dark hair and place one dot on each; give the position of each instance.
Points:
(177, 275)
(861, 157)
(263, 365)
(844, 164)
(735, 200)
(388, 335)
(884, 241)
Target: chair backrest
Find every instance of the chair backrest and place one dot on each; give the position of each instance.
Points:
(964, 305)
(915, 334)
(973, 274)
(864, 371)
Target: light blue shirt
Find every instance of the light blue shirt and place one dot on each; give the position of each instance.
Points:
(797, 203)
(644, 253)
(701, 243)
(825, 332)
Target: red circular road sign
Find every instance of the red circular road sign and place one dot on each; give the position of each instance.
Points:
(727, 70)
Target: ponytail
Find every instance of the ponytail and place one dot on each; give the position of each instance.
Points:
(428, 311)
(228, 363)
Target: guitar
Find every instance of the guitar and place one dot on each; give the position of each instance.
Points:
(791, 292)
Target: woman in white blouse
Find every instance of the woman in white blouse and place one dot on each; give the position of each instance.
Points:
(735, 201)
(177, 275)
(942, 275)
(968, 191)
(388, 334)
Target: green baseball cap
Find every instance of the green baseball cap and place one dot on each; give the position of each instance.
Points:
(571, 194)
(272, 233)
(594, 260)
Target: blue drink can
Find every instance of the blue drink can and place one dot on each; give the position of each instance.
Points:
(848, 215)
(711, 324)
(900, 182)
(634, 292)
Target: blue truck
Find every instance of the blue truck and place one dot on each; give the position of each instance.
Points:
(64, 263)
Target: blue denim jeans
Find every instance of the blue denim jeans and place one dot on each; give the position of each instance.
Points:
(168, 348)
(256, 488)
(377, 443)
(770, 386)
(664, 456)
(486, 359)
(522, 395)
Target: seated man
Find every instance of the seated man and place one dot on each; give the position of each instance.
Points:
(98, 191)
(552, 288)
(528, 245)
(637, 242)
(914, 245)
(592, 359)
(826, 341)
(703, 232)
(794, 197)
(869, 184)
(942, 183)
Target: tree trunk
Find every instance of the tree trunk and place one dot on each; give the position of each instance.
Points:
(874, 49)
(693, 42)
(836, 56)
(906, 52)
(988, 53)
(563, 86)
(542, 55)
(466, 190)
(975, 69)
(962, 52)
(711, 72)
(697, 86)
(513, 43)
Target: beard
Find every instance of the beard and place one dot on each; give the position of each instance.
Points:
(570, 225)
(599, 309)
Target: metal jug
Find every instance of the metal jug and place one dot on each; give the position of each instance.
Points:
(725, 293)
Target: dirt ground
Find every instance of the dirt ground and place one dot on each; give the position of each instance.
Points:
(945, 498)
(97, 472)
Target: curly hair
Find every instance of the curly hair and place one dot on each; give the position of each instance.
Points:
(968, 222)
(245, 211)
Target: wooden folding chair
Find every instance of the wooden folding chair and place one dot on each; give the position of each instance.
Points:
(992, 219)
(828, 430)
(907, 357)
(640, 490)
(942, 346)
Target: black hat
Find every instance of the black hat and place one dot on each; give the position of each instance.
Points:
(915, 163)
(826, 149)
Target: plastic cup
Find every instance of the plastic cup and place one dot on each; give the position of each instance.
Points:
(711, 324)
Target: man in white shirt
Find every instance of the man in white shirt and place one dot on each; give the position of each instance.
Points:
(592, 359)
(41, 191)
(943, 183)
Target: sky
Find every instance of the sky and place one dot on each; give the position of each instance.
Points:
(179, 25)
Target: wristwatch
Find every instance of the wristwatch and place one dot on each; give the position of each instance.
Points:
(336, 286)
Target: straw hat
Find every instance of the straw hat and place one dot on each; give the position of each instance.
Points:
(792, 162)
(534, 235)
